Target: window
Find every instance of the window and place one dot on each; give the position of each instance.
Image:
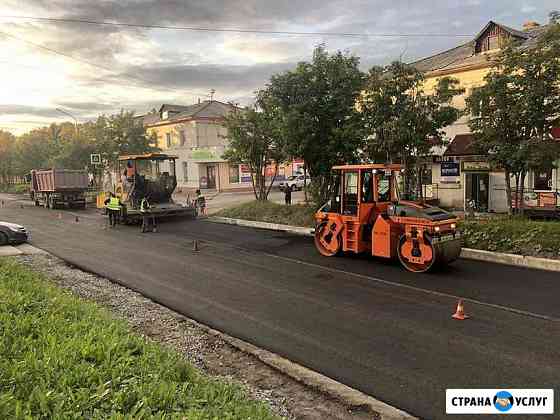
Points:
(183, 137)
(185, 171)
(350, 193)
(384, 187)
(367, 187)
(543, 179)
(233, 174)
(168, 139)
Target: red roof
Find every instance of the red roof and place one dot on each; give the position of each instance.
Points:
(461, 145)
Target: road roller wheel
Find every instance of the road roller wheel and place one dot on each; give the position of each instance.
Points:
(326, 243)
(405, 250)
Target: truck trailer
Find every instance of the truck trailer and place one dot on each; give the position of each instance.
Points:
(54, 188)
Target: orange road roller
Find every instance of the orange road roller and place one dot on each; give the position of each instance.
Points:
(366, 215)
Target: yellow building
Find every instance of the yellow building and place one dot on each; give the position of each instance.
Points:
(460, 176)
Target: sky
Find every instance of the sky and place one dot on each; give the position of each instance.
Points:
(87, 70)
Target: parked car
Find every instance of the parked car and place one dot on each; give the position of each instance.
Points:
(12, 234)
(295, 182)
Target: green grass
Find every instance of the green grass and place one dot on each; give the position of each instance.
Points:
(513, 235)
(266, 211)
(14, 188)
(64, 358)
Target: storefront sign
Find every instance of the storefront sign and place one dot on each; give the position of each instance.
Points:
(476, 166)
(203, 154)
(245, 173)
(450, 169)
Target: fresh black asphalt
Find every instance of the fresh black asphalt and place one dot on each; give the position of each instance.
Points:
(362, 321)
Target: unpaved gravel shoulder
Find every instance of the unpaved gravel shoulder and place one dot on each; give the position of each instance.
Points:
(286, 397)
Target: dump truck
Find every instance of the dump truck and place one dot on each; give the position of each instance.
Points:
(366, 215)
(151, 176)
(54, 188)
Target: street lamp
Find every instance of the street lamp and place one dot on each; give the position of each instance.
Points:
(72, 116)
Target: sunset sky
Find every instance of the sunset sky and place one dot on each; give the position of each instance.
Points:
(117, 67)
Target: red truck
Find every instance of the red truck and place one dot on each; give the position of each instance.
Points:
(54, 188)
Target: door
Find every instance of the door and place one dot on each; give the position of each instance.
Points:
(211, 177)
(476, 194)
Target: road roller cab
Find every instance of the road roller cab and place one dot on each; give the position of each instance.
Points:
(365, 214)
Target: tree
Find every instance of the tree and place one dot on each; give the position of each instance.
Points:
(513, 114)
(7, 156)
(403, 123)
(255, 139)
(318, 116)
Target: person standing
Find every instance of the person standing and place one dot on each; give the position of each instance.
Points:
(200, 203)
(147, 214)
(113, 205)
(288, 195)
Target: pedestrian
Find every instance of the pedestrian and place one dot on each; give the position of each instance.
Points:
(113, 205)
(288, 195)
(200, 203)
(148, 217)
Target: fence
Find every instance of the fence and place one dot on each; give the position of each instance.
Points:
(537, 199)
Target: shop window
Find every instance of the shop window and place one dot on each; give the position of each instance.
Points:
(543, 179)
(233, 174)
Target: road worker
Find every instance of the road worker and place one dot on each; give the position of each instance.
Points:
(147, 214)
(114, 206)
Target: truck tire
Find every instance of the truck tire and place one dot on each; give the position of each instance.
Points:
(52, 204)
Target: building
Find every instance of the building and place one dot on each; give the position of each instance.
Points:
(460, 175)
(196, 134)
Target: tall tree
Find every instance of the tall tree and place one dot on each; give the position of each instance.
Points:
(402, 121)
(513, 114)
(255, 139)
(318, 114)
(7, 156)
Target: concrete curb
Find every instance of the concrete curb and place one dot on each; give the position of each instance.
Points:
(466, 253)
(511, 259)
(297, 230)
(347, 395)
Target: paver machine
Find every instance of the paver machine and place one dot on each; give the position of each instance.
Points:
(365, 214)
(151, 176)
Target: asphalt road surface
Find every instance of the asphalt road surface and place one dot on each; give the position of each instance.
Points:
(362, 321)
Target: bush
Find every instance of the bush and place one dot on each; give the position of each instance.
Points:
(14, 188)
(61, 357)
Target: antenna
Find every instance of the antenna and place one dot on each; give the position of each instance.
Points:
(212, 92)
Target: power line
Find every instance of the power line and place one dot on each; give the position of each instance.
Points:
(238, 30)
(124, 75)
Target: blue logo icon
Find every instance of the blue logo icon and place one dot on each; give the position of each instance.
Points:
(503, 401)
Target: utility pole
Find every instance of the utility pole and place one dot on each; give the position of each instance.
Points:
(212, 92)
(72, 116)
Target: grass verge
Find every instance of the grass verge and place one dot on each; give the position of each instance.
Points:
(513, 235)
(14, 188)
(266, 211)
(61, 357)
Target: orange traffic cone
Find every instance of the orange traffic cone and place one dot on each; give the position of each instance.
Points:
(460, 312)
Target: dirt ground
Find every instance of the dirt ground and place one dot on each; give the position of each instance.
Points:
(286, 397)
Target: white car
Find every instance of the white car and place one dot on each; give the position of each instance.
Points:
(295, 182)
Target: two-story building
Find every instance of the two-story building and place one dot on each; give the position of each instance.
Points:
(460, 175)
(196, 134)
